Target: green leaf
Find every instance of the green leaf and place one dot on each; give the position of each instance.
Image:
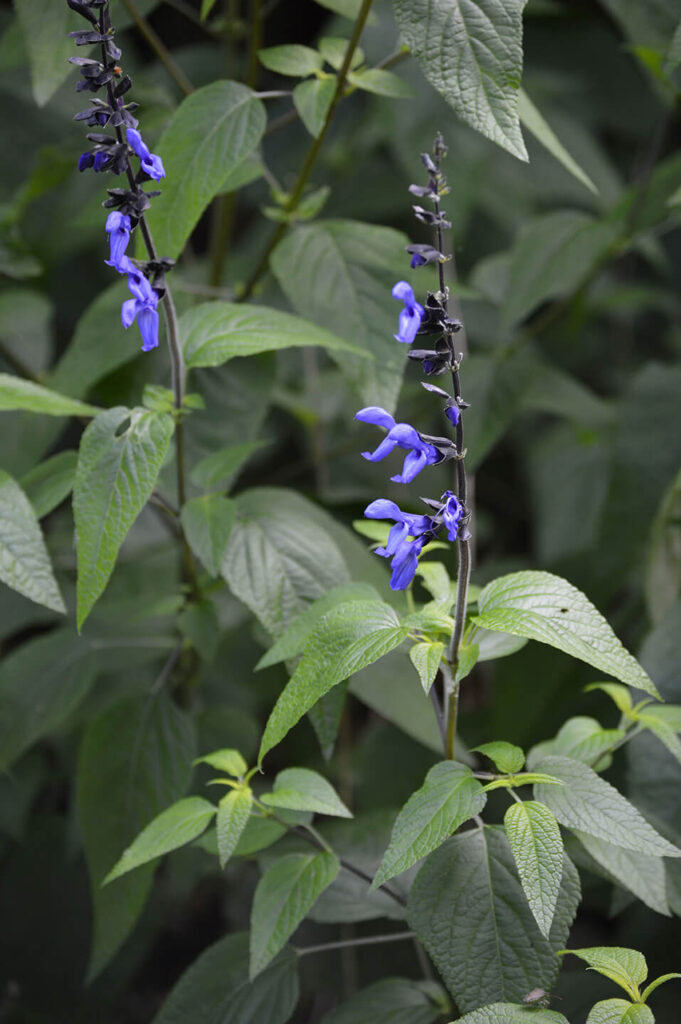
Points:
(468, 908)
(468, 659)
(547, 608)
(229, 761)
(663, 573)
(216, 988)
(233, 812)
(299, 789)
(210, 134)
(292, 59)
(120, 457)
(582, 739)
(42, 683)
(283, 896)
(656, 984)
(435, 578)
(382, 83)
(222, 466)
(506, 756)
(626, 967)
(533, 120)
(590, 804)
(619, 1011)
(448, 797)
(134, 760)
(16, 393)
(641, 874)
(551, 256)
(207, 522)
(24, 562)
(312, 100)
(346, 639)
(49, 483)
(278, 557)
(389, 1001)
(339, 274)
(206, 7)
(537, 847)
(426, 658)
(45, 27)
(522, 779)
(215, 332)
(173, 828)
(472, 54)
(293, 640)
(512, 1013)
(663, 732)
(497, 645)
(619, 695)
(334, 48)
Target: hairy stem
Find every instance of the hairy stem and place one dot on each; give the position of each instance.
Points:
(159, 48)
(312, 154)
(368, 940)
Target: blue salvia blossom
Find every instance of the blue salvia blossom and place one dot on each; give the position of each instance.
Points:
(113, 153)
(405, 540)
(412, 314)
(400, 435)
(454, 517)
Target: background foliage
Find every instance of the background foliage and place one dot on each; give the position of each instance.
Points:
(567, 279)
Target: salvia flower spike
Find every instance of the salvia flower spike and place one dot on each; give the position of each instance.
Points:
(411, 532)
(112, 154)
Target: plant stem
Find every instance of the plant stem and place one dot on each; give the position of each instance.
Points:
(312, 154)
(369, 940)
(158, 46)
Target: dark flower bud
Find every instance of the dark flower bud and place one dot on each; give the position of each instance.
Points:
(82, 8)
(434, 363)
(422, 254)
(428, 164)
(423, 191)
(123, 86)
(87, 36)
(86, 160)
(430, 218)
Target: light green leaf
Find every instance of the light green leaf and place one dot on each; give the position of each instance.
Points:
(522, 779)
(292, 59)
(209, 135)
(134, 760)
(173, 828)
(468, 659)
(626, 967)
(216, 988)
(547, 608)
(512, 1013)
(299, 789)
(283, 897)
(382, 83)
(506, 756)
(206, 7)
(533, 120)
(215, 332)
(663, 732)
(45, 25)
(221, 466)
(333, 50)
(16, 393)
(471, 52)
(24, 562)
(434, 576)
(207, 522)
(42, 683)
(49, 483)
(293, 640)
(339, 274)
(389, 1001)
(448, 797)
(233, 812)
(582, 739)
(537, 847)
(550, 257)
(590, 804)
(312, 100)
(619, 1011)
(279, 557)
(426, 658)
(120, 456)
(619, 695)
(229, 761)
(656, 984)
(346, 639)
(641, 874)
(497, 645)
(468, 908)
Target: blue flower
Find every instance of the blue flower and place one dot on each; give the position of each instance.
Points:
(142, 306)
(405, 540)
(118, 227)
(412, 314)
(400, 435)
(150, 163)
(85, 160)
(452, 513)
(452, 413)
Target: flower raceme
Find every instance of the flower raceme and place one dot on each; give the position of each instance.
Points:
(412, 314)
(400, 435)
